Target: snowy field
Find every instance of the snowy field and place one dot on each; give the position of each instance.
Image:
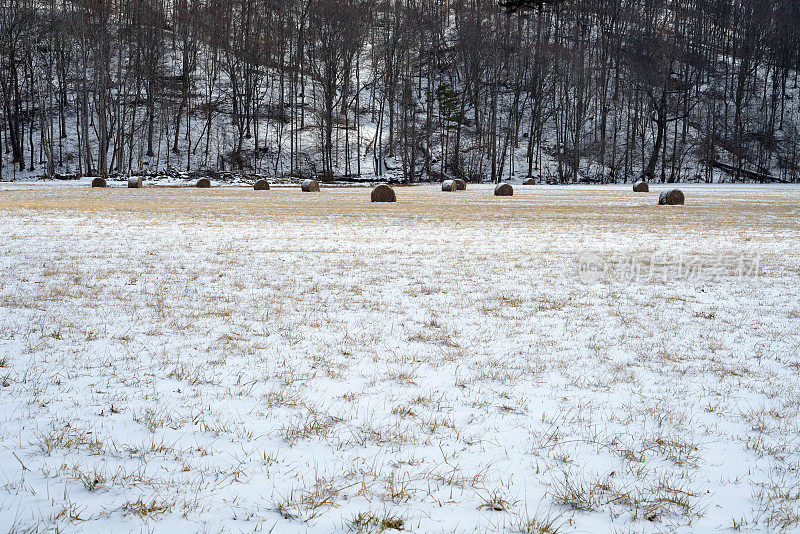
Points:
(570, 359)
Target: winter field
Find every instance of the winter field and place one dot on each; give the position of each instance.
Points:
(570, 359)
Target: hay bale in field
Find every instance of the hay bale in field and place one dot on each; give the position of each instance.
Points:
(461, 185)
(310, 186)
(449, 185)
(503, 190)
(134, 182)
(529, 181)
(99, 182)
(641, 187)
(261, 185)
(203, 183)
(383, 193)
(671, 197)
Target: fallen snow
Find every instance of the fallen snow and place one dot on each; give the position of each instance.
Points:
(177, 360)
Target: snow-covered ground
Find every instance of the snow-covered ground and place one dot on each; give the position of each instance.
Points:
(183, 360)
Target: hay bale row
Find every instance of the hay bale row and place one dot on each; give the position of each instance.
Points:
(671, 197)
(503, 190)
(383, 193)
(310, 186)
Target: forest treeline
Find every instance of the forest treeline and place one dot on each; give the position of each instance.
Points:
(596, 90)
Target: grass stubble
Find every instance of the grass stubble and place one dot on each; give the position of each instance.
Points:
(320, 363)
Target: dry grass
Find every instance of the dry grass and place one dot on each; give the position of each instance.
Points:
(321, 363)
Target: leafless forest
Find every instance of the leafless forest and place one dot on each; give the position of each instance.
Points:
(567, 91)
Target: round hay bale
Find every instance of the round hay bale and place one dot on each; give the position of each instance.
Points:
(134, 182)
(383, 193)
(671, 197)
(641, 187)
(261, 185)
(99, 182)
(461, 185)
(503, 190)
(449, 185)
(529, 181)
(310, 186)
(203, 183)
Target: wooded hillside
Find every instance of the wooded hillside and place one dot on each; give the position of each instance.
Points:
(568, 91)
